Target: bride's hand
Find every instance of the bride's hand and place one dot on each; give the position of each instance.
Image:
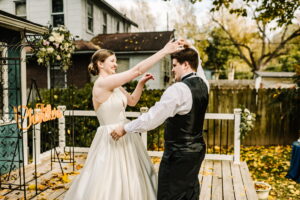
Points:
(146, 78)
(118, 132)
(173, 46)
(185, 43)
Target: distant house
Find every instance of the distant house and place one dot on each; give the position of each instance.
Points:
(274, 79)
(84, 18)
(131, 48)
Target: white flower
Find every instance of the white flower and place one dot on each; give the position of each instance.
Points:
(50, 50)
(40, 60)
(65, 68)
(249, 118)
(42, 49)
(51, 39)
(68, 55)
(247, 111)
(58, 57)
(58, 37)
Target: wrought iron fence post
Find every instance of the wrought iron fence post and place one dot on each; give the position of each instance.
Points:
(237, 135)
(144, 134)
(62, 128)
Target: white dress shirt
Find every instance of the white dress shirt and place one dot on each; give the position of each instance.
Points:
(177, 99)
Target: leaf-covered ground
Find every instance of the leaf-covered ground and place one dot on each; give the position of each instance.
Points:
(271, 164)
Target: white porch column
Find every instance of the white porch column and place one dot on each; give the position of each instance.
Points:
(62, 128)
(237, 136)
(23, 102)
(144, 134)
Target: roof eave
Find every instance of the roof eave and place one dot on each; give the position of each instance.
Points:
(18, 25)
(118, 13)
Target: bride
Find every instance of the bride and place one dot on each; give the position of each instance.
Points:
(117, 170)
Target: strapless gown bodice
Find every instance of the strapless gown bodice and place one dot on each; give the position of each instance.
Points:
(112, 111)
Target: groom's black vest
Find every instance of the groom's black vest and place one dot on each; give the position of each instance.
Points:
(184, 132)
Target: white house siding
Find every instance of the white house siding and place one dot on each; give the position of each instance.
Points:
(7, 6)
(157, 83)
(73, 19)
(98, 11)
(38, 11)
(75, 14)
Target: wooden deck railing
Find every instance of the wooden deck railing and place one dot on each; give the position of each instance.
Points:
(235, 117)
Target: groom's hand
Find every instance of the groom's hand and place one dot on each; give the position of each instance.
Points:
(118, 132)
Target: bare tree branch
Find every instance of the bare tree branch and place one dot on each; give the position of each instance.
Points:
(280, 46)
(251, 63)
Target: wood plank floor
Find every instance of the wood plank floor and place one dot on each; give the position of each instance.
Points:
(219, 180)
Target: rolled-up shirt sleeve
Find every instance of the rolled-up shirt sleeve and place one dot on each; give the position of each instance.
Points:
(177, 99)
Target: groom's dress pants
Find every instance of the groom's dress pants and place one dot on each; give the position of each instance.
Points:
(178, 175)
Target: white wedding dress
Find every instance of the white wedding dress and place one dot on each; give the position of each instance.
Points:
(115, 170)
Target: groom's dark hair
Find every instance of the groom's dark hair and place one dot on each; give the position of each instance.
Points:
(189, 55)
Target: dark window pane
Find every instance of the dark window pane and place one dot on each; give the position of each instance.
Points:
(21, 9)
(104, 18)
(90, 24)
(58, 20)
(57, 6)
(104, 23)
(90, 10)
(58, 77)
(118, 27)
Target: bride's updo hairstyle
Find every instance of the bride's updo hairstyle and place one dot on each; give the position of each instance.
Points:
(101, 56)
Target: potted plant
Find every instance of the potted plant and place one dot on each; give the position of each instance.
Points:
(262, 190)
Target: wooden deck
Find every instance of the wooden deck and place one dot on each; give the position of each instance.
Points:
(219, 180)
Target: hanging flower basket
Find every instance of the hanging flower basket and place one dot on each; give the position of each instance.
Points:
(247, 122)
(262, 190)
(55, 47)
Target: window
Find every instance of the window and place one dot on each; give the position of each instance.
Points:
(166, 71)
(90, 14)
(126, 28)
(58, 13)
(104, 23)
(118, 27)
(123, 64)
(58, 77)
(20, 7)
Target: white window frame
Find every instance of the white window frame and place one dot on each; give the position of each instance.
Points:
(57, 13)
(18, 2)
(88, 16)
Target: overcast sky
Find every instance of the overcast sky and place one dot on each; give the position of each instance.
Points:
(160, 8)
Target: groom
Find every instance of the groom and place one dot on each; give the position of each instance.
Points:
(182, 107)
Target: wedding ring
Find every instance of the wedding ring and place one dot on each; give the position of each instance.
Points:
(180, 47)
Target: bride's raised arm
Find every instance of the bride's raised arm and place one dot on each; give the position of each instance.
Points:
(119, 79)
